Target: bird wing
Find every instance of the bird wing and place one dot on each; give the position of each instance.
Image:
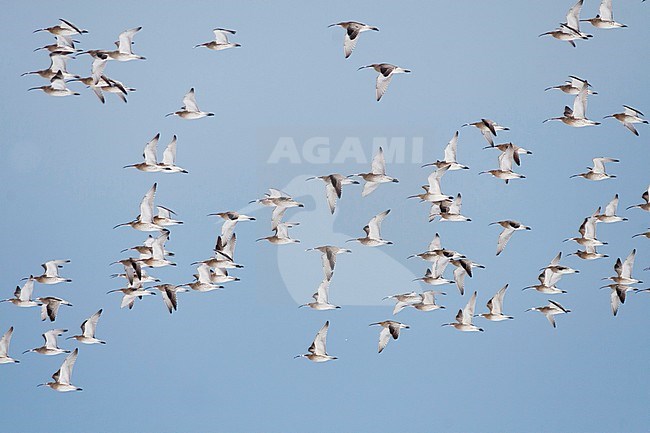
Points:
(318, 346)
(454, 207)
(221, 35)
(551, 319)
(450, 150)
(52, 267)
(146, 205)
(459, 278)
(89, 325)
(189, 101)
(125, 39)
(65, 372)
(332, 194)
(504, 237)
(51, 309)
(368, 188)
(169, 155)
(558, 306)
(169, 298)
(631, 128)
(436, 243)
(27, 289)
(328, 259)
(97, 68)
(50, 337)
(506, 158)
(580, 103)
(382, 84)
(350, 40)
(150, 150)
(384, 336)
(4, 342)
(58, 62)
(631, 111)
(610, 209)
(434, 180)
(204, 273)
(322, 292)
(605, 12)
(614, 301)
(158, 247)
(628, 264)
(276, 216)
(375, 225)
(573, 17)
(378, 165)
(497, 301)
(468, 311)
(163, 212)
(599, 164)
(57, 82)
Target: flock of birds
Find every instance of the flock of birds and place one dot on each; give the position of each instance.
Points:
(213, 272)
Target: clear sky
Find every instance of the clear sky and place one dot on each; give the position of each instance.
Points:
(224, 360)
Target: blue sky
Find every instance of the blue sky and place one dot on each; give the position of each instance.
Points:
(224, 360)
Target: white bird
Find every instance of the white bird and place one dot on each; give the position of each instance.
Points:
(628, 117)
(57, 87)
(390, 328)
(4, 348)
(352, 31)
(51, 274)
(570, 31)
(506, 158)
(617, 295)
(377, 174)
(328, 257)
(321, 298)
(63, 375)
(334, 187)
(433, 192)
(280, 201)
(555, 266)
(386, 72)
(317, 350)
(646, 198)
(373, 232)
(550, 311)
(169, 292)
(144, 221)
(157, 258)
(448, 210)
(224, 254)
(190, 109)
(427, 301)
(589, 253)
(64, 44)
(450, 156)
(434, 274)
(518, 151)
(150, 163)
(495, 305)
(609, 216)
(488, 128)
(598, 170)
(624, 270)
(231, 218)
(573, 86)
(576, 117)
(605, 17)
(50, 306)
(281, 236)
(129, 295)
(588, 233)
(88, 327)
(404, 299)
(50, 347)
(64, 28)
(464, 317)
(164, 217)
(124, 52)
(547, 283)
(23, 295)
(509, 227)
(436, 252)
(58, 63)
(203, 282)
(220, 41)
